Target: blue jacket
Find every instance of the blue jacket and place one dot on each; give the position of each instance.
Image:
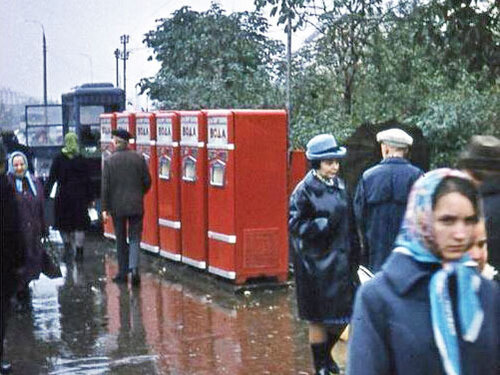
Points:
(380, 204)
(391, 325)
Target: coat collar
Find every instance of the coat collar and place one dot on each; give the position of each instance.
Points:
(404, 272)
(395, 160)
(317, 186)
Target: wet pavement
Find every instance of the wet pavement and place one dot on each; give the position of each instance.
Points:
(179, 321)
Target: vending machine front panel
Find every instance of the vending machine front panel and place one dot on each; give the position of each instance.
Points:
(193, 188)
(169, 221)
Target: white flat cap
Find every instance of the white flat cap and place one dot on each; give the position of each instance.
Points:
(395, 137)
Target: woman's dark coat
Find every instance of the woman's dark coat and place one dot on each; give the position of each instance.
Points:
(74, 192)
(391, 325)
(321, 232)
(11, 245)
(32, 226)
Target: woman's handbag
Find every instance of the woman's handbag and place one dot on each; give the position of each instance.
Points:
(50, 259)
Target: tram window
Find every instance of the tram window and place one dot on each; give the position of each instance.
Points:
(89, 114)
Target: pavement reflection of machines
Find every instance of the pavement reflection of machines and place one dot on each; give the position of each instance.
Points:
(168, 175)
(108, 124)
(193, 188)
(145, 127)
(247, 194)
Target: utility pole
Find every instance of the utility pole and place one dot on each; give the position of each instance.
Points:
(124, 39)
(117, 56)
(44, 68)
(288, 83)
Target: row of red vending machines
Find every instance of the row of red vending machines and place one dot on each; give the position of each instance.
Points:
(219, 199)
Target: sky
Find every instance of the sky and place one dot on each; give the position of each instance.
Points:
(81, 37)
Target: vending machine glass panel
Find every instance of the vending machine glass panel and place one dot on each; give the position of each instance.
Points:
(189, 169)
(164, 165)
(217, 173)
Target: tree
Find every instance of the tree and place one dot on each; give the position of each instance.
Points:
(211, 59)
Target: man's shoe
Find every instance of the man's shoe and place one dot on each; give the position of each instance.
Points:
(5, 367)
(136, 277)
(120, 279)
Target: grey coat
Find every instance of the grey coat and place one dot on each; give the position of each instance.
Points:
(125, 181)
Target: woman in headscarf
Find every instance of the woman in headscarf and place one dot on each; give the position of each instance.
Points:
(11, 249)
(429, 311)
(30, 203)
(322, 235)
(73, 195)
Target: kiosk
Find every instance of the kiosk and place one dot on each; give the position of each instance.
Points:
(247, 194)
(145, 143)
(108, 124)
(193, 188)
(169, 188)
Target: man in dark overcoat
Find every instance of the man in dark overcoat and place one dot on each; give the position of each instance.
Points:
(481, 160)
(12, 250)
(381, 196)
(125, 181)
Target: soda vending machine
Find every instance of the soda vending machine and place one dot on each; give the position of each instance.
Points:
(247, 194)
(169, 188)
(108, 124)
(193, 188)
(126, 120)
(145, 145)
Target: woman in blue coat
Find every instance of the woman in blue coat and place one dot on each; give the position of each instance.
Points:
(321, 234)
(429, 311)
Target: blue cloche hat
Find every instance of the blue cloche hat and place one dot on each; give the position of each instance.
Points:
(324, 146)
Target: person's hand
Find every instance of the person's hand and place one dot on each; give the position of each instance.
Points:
(104, 216)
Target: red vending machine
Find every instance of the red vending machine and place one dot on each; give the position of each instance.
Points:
(247, 194)
(145, 145)
(126, 120)
(108, 124)
(169, 187)
(193, 188)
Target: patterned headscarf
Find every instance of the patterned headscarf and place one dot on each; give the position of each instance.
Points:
(416, 239)
(71, 148)
(26, 175)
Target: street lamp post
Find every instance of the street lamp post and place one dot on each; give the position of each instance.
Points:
(44, 44)
(124, 39)
(117, 56)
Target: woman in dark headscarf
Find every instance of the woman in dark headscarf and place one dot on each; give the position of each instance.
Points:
(429, 311)
(30, 203)
(73, 195)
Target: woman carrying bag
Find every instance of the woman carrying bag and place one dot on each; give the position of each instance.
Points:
(30, 203)
(322, 235)
(429, 311)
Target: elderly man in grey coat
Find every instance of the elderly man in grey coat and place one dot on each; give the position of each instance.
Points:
(125, 181)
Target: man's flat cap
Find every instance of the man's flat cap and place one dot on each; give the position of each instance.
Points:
(122, 133)
(395, 137)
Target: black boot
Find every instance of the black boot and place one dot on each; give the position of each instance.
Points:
(319, 352)
(5, 367)
(79, 254)
(332, 338)
(136, 277)
(67, 253)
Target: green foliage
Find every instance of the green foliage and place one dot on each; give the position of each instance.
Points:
(211, 59)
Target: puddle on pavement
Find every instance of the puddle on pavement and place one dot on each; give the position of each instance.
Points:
(83, 323)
